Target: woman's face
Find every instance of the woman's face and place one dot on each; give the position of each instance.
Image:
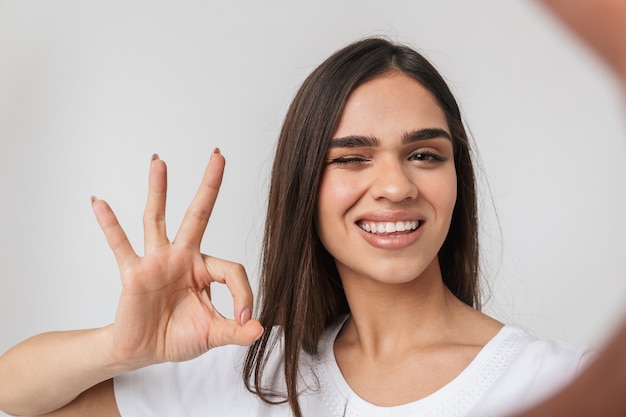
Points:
(389, 185)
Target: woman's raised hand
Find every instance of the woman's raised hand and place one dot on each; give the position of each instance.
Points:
(165, 311)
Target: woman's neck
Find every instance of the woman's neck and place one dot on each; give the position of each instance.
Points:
(384, 314)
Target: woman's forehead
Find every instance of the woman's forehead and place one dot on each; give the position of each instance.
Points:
(389, 104)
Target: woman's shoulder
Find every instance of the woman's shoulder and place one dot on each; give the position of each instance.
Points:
(513, 347)
(535, 352)
(518, 362)
(520, 367)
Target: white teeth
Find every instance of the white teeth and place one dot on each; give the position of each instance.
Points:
(389, 227)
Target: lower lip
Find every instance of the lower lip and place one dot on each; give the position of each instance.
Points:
(383, 241)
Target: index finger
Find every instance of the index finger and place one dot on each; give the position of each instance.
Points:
(197, 216)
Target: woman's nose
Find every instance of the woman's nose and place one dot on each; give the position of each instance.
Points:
(393, 181)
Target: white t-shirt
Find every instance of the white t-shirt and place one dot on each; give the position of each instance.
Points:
(514, 370)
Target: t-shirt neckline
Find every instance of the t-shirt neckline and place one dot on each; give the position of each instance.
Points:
(462, 382)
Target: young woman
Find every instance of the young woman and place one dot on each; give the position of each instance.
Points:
(369, 288)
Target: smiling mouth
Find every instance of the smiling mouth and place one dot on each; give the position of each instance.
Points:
(389, 227)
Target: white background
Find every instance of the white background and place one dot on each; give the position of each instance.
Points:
(89, 90)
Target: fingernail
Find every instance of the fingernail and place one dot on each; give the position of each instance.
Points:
(93, 199)
(155, 157)
(217, 150)
(246, 315)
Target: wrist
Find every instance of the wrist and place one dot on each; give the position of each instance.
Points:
(115, 359)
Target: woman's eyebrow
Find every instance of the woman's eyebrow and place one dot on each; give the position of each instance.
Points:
(359, 141)
(425, 134)
(354, 141)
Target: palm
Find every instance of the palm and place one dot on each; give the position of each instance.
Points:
(165, 311)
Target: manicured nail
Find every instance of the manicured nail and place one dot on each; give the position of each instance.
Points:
(93, 199)
(217, 150)
(246, 315)
(155, 157)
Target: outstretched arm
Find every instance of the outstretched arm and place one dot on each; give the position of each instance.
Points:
(600, 391)
(165, 312)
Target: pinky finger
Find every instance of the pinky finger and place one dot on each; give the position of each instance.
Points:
(115, 236)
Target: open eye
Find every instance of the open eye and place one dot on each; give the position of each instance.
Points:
(427, 156)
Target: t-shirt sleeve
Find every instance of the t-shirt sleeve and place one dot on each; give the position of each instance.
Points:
(209, 385)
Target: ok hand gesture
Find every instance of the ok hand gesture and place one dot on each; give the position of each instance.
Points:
(165, 311)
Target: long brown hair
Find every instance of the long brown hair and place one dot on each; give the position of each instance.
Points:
(300, 289)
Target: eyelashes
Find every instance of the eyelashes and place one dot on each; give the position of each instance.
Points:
(345, 160)
(428, 156)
